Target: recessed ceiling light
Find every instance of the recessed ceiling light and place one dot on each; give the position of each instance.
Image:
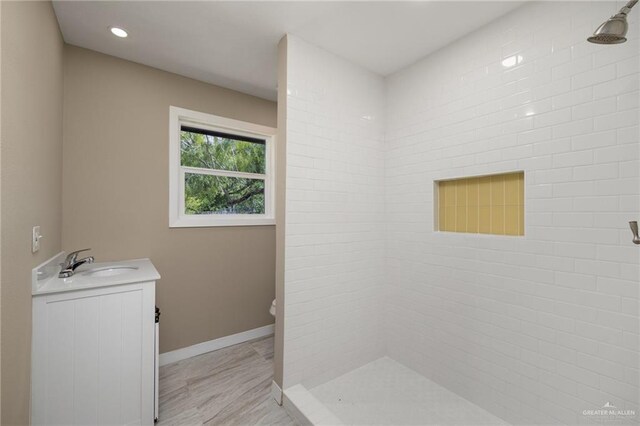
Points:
(118, 32)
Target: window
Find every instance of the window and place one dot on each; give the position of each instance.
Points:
(221, 171)
(482, 205)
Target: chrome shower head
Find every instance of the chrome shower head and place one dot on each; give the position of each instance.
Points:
(614, 29)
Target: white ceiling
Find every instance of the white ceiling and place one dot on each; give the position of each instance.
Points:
(234, 44)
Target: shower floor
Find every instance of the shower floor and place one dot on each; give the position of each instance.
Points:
(384, 392)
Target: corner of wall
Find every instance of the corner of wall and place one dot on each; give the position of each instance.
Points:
(281, 161)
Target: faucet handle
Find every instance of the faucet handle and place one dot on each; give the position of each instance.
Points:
(634, 229)
(71, 257)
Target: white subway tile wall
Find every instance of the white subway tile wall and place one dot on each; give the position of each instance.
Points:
(540, 328)
(334, 243)
(535, 329)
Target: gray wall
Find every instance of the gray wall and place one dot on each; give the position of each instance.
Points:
(31, 179)
(215, 281)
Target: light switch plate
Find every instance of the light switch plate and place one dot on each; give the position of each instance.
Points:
(35, 239)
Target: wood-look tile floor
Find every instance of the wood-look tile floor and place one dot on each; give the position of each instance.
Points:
(230, 386)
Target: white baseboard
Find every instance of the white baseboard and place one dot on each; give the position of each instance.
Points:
(212, 345)
(276, 392)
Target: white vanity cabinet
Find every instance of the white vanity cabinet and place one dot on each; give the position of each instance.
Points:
(93, 354)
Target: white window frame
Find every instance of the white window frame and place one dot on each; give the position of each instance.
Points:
(177, 216)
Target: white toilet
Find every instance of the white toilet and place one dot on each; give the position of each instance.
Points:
(272, 309)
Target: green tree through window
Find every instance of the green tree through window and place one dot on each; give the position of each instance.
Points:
(210, 190)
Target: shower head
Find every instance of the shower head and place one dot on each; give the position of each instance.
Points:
(614, 29)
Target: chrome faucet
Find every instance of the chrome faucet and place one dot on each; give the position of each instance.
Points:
(71, 263)
(634, 230)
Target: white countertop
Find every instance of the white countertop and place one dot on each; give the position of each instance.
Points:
(46, 279)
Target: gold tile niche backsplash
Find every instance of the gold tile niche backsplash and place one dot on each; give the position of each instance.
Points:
(482, 205)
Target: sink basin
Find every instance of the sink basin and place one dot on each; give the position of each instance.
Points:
(109, 271)
(91, 275)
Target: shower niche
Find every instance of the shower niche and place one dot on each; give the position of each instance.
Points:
(491, 204)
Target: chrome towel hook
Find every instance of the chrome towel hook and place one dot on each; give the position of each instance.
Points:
(634, 229)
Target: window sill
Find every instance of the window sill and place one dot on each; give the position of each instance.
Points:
(206, 222)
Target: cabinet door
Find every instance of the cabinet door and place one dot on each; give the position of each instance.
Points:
(93, 356)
